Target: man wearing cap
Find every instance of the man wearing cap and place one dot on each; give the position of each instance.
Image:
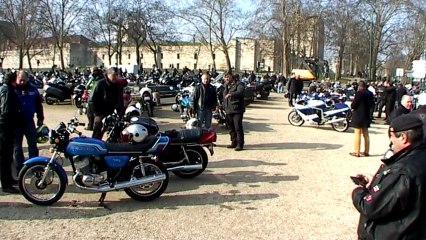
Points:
(233, 102)
(391, 204)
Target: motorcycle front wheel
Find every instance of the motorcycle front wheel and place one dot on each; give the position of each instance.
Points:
(149, 191)
(46, 193)
(196, 155)
(295, 119)
(341, 126)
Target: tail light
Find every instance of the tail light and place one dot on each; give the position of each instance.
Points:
(208, 136)
(85, 95)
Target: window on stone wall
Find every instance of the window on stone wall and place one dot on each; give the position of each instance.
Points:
(129, 55)
(195, 66)
(178, 56)
(195, 56)
(161, 55)
(214, 56)
(177, 65)
(141, 55)
(103, 56)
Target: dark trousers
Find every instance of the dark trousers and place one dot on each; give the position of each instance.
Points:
(292, 98)
(90, 115)
(234, 122)
(6, 157)
(380, 105)
(98, 127)
(27, 129)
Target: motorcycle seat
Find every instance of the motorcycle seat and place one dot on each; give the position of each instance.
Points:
(131, 148)
(187, 135)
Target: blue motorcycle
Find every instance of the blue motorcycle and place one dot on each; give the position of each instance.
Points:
(96, 166)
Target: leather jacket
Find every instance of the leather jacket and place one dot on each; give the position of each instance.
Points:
(9, 107)
(204, 97)
(393, 205)
(235, 103)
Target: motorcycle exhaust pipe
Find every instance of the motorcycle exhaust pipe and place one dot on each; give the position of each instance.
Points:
(186, 167)
(126, 184)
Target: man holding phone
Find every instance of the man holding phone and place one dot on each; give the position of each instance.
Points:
(391, 203)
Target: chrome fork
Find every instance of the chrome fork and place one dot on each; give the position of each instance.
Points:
(46, 169)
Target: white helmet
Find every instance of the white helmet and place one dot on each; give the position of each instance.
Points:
(192, 123)
(132, 111)
(175, 107)
(135, 133)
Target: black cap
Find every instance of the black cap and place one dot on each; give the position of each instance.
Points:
(405, 122)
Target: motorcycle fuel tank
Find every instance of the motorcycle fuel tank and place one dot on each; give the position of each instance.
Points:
(86, 146)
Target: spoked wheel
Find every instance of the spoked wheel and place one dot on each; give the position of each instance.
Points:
(149, 191)
(49, 101)
(341, 126)
(46, 193)
(196, 155)
(295, 119)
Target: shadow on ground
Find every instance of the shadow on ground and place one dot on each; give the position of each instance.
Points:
(289, 145)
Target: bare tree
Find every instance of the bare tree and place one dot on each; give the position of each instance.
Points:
(59, 17)
(378, 16)
(21, 24)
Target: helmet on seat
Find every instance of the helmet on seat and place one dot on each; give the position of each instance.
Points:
(192, 123)
(135, 133)
(42, 134)
(175, 107)
(132, 111)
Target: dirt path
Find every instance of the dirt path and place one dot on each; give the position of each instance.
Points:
(289, 183)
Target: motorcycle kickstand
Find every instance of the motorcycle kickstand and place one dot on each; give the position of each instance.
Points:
(101, 201)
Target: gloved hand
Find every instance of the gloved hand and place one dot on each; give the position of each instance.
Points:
(39, 122)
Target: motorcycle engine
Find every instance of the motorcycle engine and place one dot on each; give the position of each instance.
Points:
(88, 172)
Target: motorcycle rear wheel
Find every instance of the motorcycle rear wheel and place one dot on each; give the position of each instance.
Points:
(150, 191)
(196, 155)
(295, 119)
(51, 190)
(49, 100)
(341, 126)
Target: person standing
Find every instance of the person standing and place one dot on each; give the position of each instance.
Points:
(391, 204)
(390, 92)
(30, 104)
(381, 98)
(204, 101)
(361, 118)
(292, 89)
(233, 101)
(404, 107)
(96, 76)
(106, 97)
(9, 113)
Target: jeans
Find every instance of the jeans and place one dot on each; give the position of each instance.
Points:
(28, 130)
(205, 116)
(6, 156)
(98, 127)
(280, 87)
(234, 122)
(364, 132)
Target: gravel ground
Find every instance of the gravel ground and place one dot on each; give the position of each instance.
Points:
(289, 183)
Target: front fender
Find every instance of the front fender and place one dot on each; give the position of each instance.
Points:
(46, 160)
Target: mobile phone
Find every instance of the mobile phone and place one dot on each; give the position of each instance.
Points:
(359, 181)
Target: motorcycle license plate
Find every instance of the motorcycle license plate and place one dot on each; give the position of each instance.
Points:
(147, 98)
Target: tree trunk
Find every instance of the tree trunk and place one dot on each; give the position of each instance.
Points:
(29, 60)
(21, 57)
(138, 57)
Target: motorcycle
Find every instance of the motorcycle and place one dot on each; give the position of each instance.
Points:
(184, 155)
(183, 103)
(96, 165)
(57, 91)
(219, 114)
(77, 97)
(318, 112)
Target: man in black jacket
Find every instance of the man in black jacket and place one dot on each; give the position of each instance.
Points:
(390, 92)
(106, 97)
(404, 107)
(233, 102)
(9, 114)
(204, 100)
(391, 204)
